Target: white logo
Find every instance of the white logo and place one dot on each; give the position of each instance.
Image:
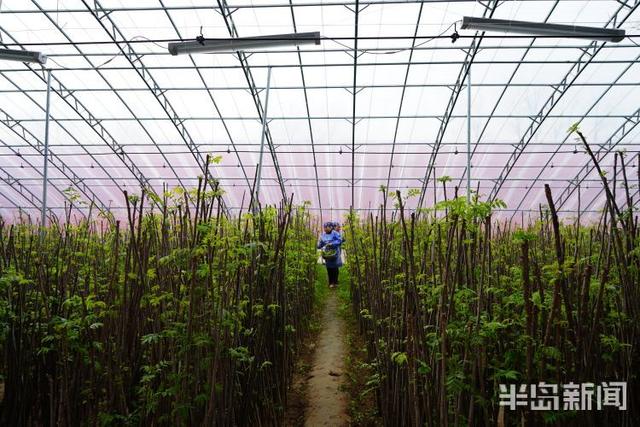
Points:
(574, 397)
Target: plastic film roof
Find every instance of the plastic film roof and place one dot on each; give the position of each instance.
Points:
(379, 103)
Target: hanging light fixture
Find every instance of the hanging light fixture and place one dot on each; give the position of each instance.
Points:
(23, 56)
(202, 45)
(542, 29)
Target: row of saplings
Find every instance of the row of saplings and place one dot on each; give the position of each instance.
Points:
(179, 315)
(453, 304)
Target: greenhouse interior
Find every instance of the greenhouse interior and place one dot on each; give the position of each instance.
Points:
(319, 213)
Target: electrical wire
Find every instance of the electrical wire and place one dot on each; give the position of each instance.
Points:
(133, 39)
(59, 64)
(391, 52)
(114, 56)
(143, 38)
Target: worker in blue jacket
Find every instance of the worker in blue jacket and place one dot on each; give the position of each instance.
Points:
(337, 227)
(330, 242)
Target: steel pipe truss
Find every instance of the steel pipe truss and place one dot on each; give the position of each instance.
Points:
(22, 190)
(623, 13)
(136, 61)
(86, 116)
(34, 142)
(213, 102)
(227, 13)
(470, 54)
(586, 114)
(507, 86)
(601, 152)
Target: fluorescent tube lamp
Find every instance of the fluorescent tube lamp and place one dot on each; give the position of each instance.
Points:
(243, 43)
(542, 29)
(22, 56)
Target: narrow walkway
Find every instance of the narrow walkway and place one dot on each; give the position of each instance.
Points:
(327, 403)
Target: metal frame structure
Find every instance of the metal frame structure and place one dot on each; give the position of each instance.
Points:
(470, 54)
(227, 13)
(509, 83)
(34, 142)
(73, 57)
(85, 115)
(210, 96)
(404, 90)
(306, 103)
(626, 9)
(136, 60)
(625, 130)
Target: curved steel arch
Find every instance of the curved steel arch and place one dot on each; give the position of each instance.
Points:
(34, 142)
(215, 104)
(471, 52)
(86, 116)
(30, 196)
(499, 188)
(503, 92)
(404, 89)
(620, 134)
(83, 113)
(226, 13)
(24, 132)
(27, 194)
(95, 123)
(586, 115)
(559, 90)
(136, 62)
(306, 102)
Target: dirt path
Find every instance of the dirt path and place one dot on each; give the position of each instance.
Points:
(327, 404)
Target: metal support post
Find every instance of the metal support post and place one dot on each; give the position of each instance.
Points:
(256, 196)
(45, 175)
(469, 135)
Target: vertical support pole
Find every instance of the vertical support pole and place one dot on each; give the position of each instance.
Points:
(469, 134)
(45, 175)
(256, 197)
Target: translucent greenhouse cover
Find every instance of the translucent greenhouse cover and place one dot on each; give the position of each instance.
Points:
(379, 103)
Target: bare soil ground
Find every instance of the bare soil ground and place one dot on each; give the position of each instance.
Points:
(327, 403)
(297, 396)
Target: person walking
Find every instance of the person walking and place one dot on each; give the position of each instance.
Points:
(330, 242)
(343, 252)
(338, 229)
